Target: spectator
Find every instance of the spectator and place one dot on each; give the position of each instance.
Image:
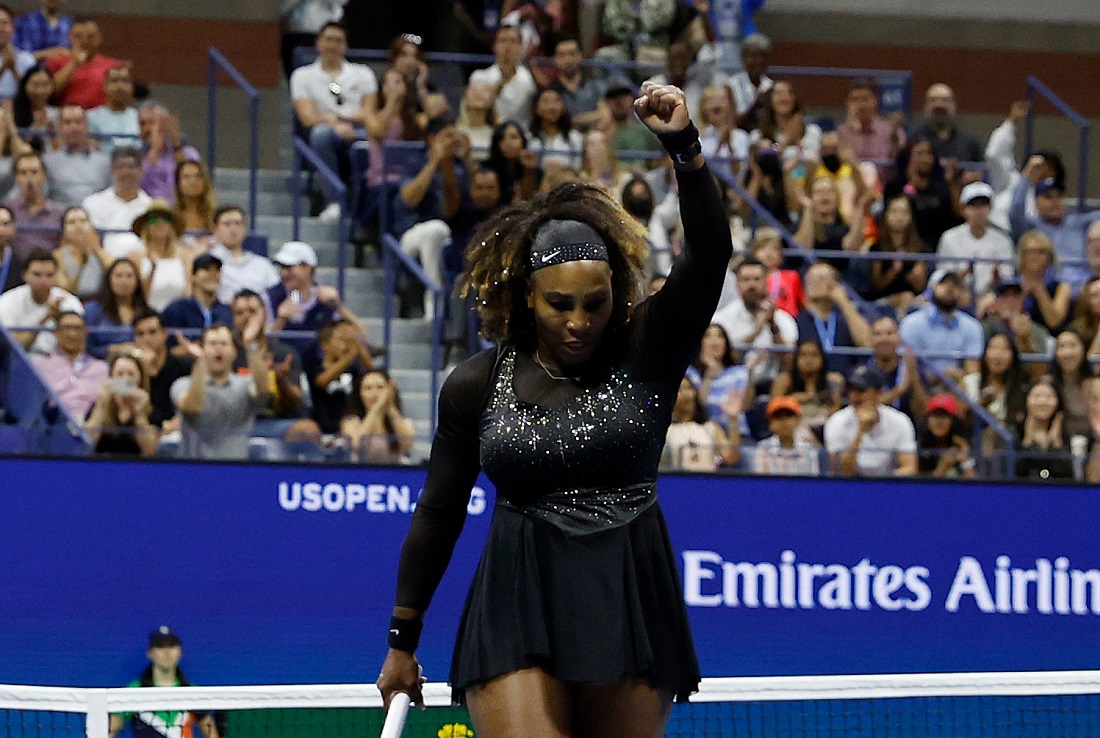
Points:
(941, 127)
(332, 98)
(284, 415)
(873, 137)
(81, 259)
(1007, 315)
(163, 148)
(202, 309)
(1044, 443)
(621, 126)
(164, 654)
(115, 208)
(44, 32)
(111, 317)
(80, 75)
(476, 118)
(166, 266)
(217, 406)
(68, 370)
(298, 303)
(867, 438)
(11, 145)
(977, 239)
(754, 320)
(895, 281)
(398, 116)
(784, 285)
(1000, 160)
(921, 178)
(516, 166)
(119, 420)
(1001, 383)
(582, 94)
(750, 85)
(1092, 249)
(816, 389)
(76, 169)
(769, 185)
(195, 203)
(896, 373)
(1066, 231)
(16, 61)
(552, 132)
(241, 269)
(941, 328)
(694, 443)
(345, 359)
(1086, 316)
(115, 123)
(1046, 298)
(788, 450)
(944, 450)
(718, 378)
(822, 227)
(38, 302)
(725, 146)
(1073, 377)
(302, 20)
(375, 427)
(831, 319)
(36, 216)
(512, 80)
(161, 367)
(601, 166)
(781, 121)
(31, 107)
(8, 258)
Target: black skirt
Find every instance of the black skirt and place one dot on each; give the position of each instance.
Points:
(587, 609)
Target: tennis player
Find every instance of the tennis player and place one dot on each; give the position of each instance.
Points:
(575, 622)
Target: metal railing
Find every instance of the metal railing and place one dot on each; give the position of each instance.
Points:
(218, 61)
(302, 151)
(1036, 88)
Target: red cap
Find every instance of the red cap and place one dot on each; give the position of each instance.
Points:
(944, 403)
(782, 403)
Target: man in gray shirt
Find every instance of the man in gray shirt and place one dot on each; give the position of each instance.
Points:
(76, 169)
(217, 406)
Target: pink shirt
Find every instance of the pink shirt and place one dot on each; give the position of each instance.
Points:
(76, 383)
(877, 143)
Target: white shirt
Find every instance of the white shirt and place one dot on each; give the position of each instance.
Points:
(893, 434)
(18, 310)
(311, 82)
(251, 271)
(564, 150)
(960, 242)
(744, 92)
(516, 98)
(109, 211)
(739, 322)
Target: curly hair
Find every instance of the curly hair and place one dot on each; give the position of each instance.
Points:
(497, 270)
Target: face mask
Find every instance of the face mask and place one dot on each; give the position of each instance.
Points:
(831, 162)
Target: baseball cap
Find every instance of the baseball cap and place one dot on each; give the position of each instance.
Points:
(974, 191)
(620, 86)
(777, 404)
(944, 404)
(293, 253)
(1008, 283)
(1046, 186)
(941, 274)
(162, 637)
(866, 377)
(205, 261)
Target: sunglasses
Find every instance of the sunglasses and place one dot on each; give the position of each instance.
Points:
(337, 91)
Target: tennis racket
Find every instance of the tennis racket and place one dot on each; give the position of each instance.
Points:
(395, 716)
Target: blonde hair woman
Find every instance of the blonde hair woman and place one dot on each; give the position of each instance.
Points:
(166, 265)
(1045, 299)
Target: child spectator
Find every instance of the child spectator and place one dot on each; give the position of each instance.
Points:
(119, 421)
(375, 428)
(944, 449)
(784, 285)
(789, 450)
(694, 443)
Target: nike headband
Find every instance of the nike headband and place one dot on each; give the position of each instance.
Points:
(560, 241)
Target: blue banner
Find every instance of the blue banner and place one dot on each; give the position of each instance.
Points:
(285, 574)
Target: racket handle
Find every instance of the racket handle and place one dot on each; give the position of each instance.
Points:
(395, 716)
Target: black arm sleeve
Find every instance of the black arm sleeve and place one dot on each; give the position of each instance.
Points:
(452, 471)
(668, 326)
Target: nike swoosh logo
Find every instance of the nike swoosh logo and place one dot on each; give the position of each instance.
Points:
(395, 631)
(548, 257)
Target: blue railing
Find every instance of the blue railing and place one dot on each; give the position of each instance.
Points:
(218, 61)
(1035, 88)
(303, 151)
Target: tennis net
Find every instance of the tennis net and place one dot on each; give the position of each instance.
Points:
(1061, 704)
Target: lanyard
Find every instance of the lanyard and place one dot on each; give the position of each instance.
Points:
(826, 330)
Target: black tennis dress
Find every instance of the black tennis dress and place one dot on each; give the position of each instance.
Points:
(578, 576)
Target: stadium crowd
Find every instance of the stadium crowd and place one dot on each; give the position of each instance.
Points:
(902, 299)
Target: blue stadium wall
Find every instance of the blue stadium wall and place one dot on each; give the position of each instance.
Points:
(284, 574)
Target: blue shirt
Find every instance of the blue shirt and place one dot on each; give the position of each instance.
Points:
(186, 312)
(103, 331)
(1068, 236)
(930, 331)
(33, 32)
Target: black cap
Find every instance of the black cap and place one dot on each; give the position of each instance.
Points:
(620, 86)
(163, 637)
(205, 261)
(1008, 283)
(866, 377)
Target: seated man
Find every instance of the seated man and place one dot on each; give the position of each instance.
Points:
(509, 76)
(76, 169)
(752, 83)
(331, 99)
(942, 327)
(867, 438)
(831, 319)
(583, 95)
(73, 375)
(115, 123)
(37, 302)
(941, 127)
(164, 149)
(622, 127)
(115, 208)
(16, 61)
(78, 77)
(161, 367)
(37, 218)
(977, 238)
(15, 262)
(873, 137)
(202, 309)
(241, 269)
(217, 406)
(897, 384)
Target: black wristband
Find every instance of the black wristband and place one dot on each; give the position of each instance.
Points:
(404, 634)
(683, 145)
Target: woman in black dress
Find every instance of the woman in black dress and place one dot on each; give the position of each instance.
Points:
(575, 621)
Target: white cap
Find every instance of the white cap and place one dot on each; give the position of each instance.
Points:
(941, 274)
(975, 190)
(293, 253)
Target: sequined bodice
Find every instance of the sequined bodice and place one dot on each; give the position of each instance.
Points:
(609, 437)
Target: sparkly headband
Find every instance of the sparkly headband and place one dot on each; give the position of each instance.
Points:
(583, 251)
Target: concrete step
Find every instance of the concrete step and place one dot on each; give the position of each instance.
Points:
(402, 330)
(280, 228)
(413, 380)
(267, 203)
(267, 180)
(355, 280)
(416, 405)
(409, 356)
